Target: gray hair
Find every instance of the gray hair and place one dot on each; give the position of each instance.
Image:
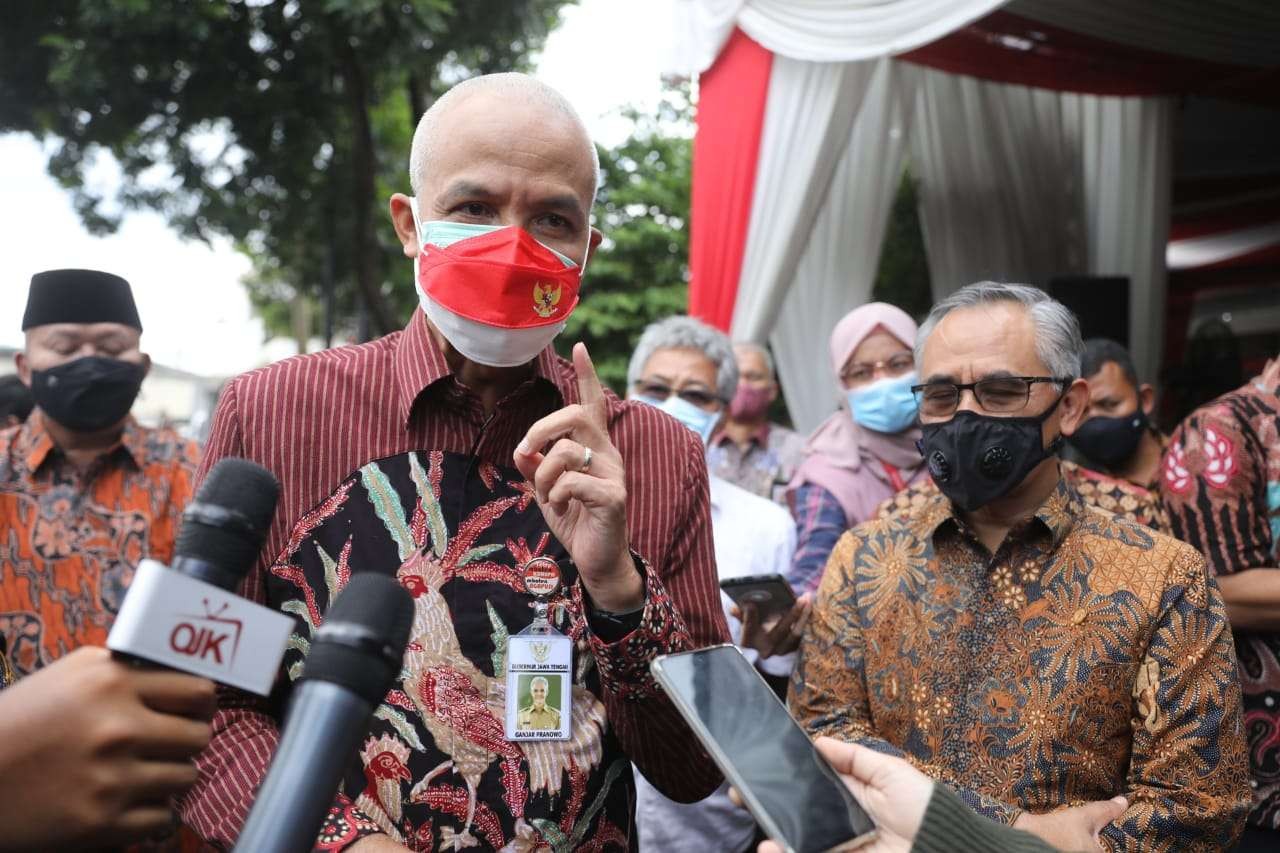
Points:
(538, 678)
(1058, 342)
(763, 352)
(681, 332)
(510, 83)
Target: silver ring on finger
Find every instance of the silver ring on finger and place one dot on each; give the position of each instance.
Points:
(586, 460)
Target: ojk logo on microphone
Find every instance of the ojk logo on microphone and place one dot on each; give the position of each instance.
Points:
(211, 638)
(184, 623)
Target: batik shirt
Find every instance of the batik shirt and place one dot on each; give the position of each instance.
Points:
(1088, 657)
(1126, 500)
(70, 542)
(1221, 485)
(766, 465)
(389, 464)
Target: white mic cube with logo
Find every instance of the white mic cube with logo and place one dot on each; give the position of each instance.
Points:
(186, 624)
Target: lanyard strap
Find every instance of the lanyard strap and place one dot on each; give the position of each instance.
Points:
(895, 478)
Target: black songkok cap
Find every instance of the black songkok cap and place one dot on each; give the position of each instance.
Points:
(79, 296)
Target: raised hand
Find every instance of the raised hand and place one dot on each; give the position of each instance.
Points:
(577, 476)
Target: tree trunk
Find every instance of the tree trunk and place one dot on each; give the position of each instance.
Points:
(364, 172)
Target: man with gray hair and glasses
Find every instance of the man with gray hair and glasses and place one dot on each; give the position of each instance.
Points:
(1031, 651)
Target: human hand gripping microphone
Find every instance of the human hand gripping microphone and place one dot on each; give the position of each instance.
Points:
(188, 617)
(355, 658)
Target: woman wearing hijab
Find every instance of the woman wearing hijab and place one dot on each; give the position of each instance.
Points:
(866, 451)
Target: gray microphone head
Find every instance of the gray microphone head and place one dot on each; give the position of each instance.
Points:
(361, 643)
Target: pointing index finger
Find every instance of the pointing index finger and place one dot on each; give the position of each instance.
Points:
(590, 392)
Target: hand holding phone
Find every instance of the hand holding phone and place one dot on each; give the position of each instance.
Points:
(790, 789)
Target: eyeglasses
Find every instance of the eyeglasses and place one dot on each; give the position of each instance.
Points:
(1000, 394)
(866, 371)
(657, 391)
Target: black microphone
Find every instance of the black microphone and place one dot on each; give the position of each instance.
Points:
(224, 528)
(187, 616)
(355, 658)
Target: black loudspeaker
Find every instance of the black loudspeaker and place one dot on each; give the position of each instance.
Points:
(1100, 302)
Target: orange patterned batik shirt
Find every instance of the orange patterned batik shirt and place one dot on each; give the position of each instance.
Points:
(1088, 657)
(70, 541)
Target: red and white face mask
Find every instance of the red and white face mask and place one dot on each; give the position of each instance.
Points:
(497, 295)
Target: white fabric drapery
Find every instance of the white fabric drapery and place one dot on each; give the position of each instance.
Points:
(842, 249)
(1020, 184)
(817, 30)
(1126, 163)
(999, 192)
(808, 120)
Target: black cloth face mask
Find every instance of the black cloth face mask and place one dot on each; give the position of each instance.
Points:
(88, 394)
(975, 459)
(1110, 441)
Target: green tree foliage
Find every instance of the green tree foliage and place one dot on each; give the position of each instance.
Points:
(282, 125)
(903, 276)
(641, 271)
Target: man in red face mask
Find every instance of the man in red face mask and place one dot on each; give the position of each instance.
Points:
(748, 450)
(505, 489)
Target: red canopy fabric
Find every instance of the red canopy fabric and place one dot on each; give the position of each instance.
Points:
(731, 102)
(1009, 48)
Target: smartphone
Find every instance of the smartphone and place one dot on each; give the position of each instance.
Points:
(771, 594)
(789, 788)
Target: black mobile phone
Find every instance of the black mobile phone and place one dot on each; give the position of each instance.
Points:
(790, 789)
(771, 594)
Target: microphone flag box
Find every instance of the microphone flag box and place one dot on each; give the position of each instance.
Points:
(186, 624)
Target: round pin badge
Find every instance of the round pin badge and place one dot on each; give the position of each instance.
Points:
(541, 576)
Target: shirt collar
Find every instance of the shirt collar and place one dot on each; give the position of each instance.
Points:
(419, 363)
(35, 444)
(1056, 516)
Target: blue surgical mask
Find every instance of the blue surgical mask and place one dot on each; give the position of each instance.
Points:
(699, 420)
(886, 405)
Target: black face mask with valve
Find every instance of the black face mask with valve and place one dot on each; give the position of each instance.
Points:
(976, 459)
(88, 394)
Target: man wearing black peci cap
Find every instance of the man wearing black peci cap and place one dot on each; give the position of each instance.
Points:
(85, 492)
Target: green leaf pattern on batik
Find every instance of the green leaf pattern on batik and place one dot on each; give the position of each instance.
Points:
(499, 637)
(330, 571)
(386, 503)
(552, 833)
(401, 724)
(299, 609)
(430, 506)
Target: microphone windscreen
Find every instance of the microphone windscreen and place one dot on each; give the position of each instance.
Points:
(227, 522)
(361, 643)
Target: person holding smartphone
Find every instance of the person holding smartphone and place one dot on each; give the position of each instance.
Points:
(688, 369)
(914, 813)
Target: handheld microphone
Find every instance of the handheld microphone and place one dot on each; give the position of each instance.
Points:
(188, 617)
(355, 658)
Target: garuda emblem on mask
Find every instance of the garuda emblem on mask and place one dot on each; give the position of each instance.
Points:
(545, 298)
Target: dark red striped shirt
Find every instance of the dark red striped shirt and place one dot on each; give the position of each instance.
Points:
(314, 420)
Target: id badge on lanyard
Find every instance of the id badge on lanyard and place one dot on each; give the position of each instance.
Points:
(539, 666)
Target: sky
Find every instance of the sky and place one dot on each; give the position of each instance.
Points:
(196, 316)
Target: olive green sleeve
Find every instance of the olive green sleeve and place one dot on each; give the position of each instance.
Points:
(951, 826)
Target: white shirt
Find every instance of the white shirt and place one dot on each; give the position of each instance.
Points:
(752, 536)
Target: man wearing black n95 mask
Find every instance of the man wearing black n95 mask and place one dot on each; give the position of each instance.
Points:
(1030, 650)
(86, 493)
(92, 750)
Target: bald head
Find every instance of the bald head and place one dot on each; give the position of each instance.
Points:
(503, 150)
(509, 99)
